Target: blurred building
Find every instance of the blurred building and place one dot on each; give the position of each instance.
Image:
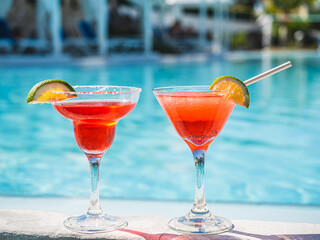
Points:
(91, 27)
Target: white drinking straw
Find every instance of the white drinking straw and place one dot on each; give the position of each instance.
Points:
(268, 73)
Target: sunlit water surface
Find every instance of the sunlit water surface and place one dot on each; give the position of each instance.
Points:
(268, 153)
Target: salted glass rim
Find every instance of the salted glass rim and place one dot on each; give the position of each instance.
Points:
(199, 89)
(104, 88)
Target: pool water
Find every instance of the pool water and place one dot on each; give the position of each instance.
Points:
(268, 153)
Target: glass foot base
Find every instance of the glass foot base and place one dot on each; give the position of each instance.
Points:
(94, 223)
(210, 225)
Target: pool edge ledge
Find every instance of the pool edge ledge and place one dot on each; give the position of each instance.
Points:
(28, 224)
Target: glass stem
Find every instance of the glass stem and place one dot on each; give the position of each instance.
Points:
(199, 206)
(94, 207)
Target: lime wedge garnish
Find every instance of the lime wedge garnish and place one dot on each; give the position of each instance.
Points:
(234, 90)
(50, 90)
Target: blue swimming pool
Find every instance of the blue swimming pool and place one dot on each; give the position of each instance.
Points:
(267, 154)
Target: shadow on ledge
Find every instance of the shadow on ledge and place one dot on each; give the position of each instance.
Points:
(232, 235)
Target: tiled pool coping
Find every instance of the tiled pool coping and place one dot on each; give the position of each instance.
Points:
(166, 209)
(27, 225)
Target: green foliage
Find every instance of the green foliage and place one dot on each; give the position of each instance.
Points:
(238, 41)
(288, 5)
(274, 6)
(241, 10)
(298, 26)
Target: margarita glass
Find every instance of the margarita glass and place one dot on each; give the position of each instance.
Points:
(198, 115)
(95, 112)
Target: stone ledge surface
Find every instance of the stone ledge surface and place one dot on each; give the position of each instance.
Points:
(40, 225)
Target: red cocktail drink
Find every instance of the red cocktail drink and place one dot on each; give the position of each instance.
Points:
(198, 115)
(198, 118)
(94, 121)
(95, 112)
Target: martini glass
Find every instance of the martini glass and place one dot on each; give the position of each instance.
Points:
(95, 112)
(198, 115)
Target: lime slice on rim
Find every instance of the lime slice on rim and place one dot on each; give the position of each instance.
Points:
(48, 91)
(234, 90)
